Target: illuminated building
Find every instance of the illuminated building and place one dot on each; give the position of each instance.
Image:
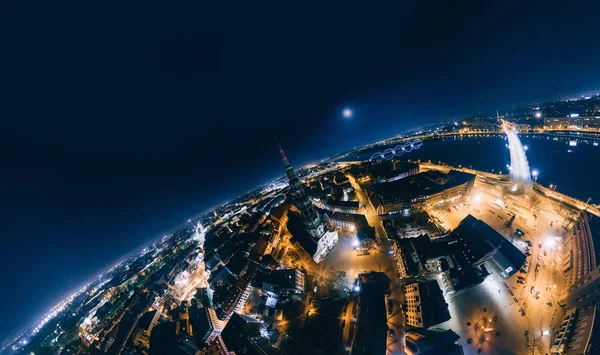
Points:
(340, 206)
(392, 170)
(280, 282)
(419, 191)
(216, 347)
(310, 217)
(572, 121)
(425, 304)
(348, 221)
(321, 240)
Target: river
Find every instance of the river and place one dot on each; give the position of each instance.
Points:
(574, 170)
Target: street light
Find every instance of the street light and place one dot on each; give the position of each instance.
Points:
(551, 242)
(535, 174)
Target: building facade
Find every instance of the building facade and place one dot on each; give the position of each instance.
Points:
(425, 304)
(573, 121)
(420, 191)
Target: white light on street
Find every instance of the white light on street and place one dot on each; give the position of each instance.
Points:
(550, 242)
(538, 115)
(545, 332)
(535, 173)
(356, 288)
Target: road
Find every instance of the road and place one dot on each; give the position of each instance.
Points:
(386, 264)
(519, 165)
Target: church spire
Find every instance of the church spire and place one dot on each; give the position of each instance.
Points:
(282, 153)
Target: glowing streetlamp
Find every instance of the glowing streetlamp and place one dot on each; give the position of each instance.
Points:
(535, 174)
(551, 241)
(538, 115)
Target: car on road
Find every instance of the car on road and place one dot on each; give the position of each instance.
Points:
(519, 232)
(537, 295)
(532, 289)
(539, 256)
(548, 303)
(521, 282)
(392, 333)
(540, 246)
(390, 306)
(544, 264)
(529, 243)
(527, 253)
(545, 252)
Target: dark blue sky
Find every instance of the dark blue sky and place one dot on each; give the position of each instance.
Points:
(120, 121)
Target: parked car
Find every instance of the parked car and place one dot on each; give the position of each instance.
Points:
(392, 333)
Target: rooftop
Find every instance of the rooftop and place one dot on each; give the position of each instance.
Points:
(434, 341)
(423, 184)
(371, 336)
(475, 239)
(359, 220)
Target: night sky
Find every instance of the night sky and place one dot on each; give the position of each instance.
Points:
(119, 122)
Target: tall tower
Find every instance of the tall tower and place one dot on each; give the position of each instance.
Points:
(310, 217)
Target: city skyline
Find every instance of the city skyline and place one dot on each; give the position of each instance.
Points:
(121, 124)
